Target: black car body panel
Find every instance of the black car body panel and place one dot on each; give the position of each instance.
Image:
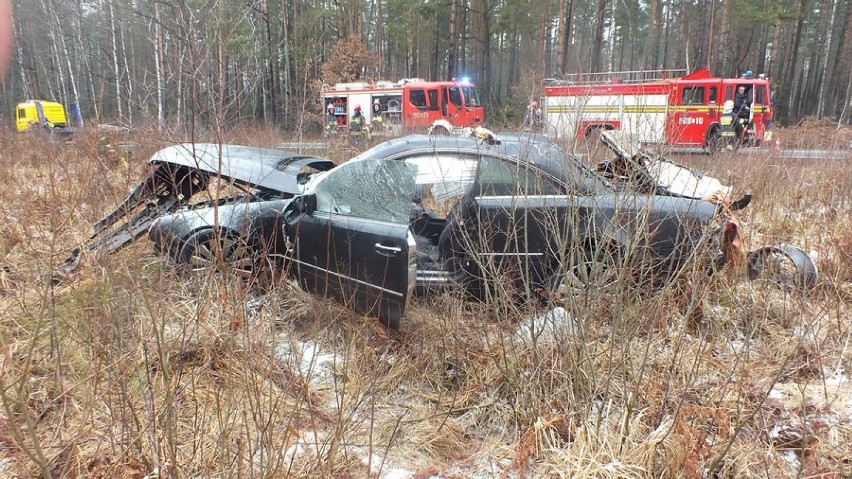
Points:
(524, 203)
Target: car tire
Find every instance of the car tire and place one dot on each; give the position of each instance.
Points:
(785, 265)
(390, 316)
(439, 131)
(592, 270)
(215, 251)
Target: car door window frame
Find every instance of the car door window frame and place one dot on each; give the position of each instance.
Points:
(517, 168)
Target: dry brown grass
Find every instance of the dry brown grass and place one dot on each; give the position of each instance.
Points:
(130, 371)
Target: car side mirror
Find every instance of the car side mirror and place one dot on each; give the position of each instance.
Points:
(306, 204)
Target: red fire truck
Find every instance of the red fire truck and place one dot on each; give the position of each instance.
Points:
(441, 107)
(654, 107)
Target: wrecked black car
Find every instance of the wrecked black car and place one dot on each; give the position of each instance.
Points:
(418, 213)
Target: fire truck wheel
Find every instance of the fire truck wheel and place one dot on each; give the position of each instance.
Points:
(439, 131)
(715, 142)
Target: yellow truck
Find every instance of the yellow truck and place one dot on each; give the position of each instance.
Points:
(48, 115)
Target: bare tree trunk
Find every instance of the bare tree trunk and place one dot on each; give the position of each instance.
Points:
(479, 41)
(287, 67)
(270, 62)
(19, 54)
(158, 65)
(667, 31)
(380, 44)
(66, 54)
(787, 84)
(130, 92)
(843, 62)
(652, 44)
(566, 11)
(54, 32)
(776, 48)
(825, 66)
(85, 58)
(711, 36)
(545, 26)
(452, 55)
(684, 34)
(815, 73)
(724, 41)
(597, 40)
(513, 75)
(847, 102)
(115, 66)
(221, 76)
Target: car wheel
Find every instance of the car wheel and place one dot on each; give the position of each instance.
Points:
(390, 316)
(785, 265)
(591, 271)
(440, 131)
(214, 251)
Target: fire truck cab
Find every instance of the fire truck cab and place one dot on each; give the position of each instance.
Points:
(407, 105)
(686, 111)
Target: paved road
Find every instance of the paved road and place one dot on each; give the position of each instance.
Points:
(816, 154)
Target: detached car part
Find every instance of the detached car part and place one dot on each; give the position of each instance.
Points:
(786, 265)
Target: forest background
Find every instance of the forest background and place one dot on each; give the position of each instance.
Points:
(182, 64)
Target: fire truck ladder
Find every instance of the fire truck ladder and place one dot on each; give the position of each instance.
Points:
(603, 78)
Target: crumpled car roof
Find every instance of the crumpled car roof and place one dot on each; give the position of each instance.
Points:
(263, 168)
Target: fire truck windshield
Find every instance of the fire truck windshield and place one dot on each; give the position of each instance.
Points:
(470, 96)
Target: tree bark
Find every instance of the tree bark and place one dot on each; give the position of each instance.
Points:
(843, 63)
(597, 42)
(115, 66)
(826, 74)
(452, 54)
(649, 61)
(563, 35)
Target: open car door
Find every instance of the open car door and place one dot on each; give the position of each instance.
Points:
(351, 240)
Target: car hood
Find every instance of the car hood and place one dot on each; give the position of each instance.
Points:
(264, 168)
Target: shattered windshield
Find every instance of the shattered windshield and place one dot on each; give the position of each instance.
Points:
(374, 189)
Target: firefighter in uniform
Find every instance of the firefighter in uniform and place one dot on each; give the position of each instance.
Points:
(357, 125)
(532, 117)
(742, 111)
(377, 122)
(330, 120)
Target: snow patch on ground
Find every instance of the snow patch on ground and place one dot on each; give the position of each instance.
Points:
(308, 359)
(553, 325)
